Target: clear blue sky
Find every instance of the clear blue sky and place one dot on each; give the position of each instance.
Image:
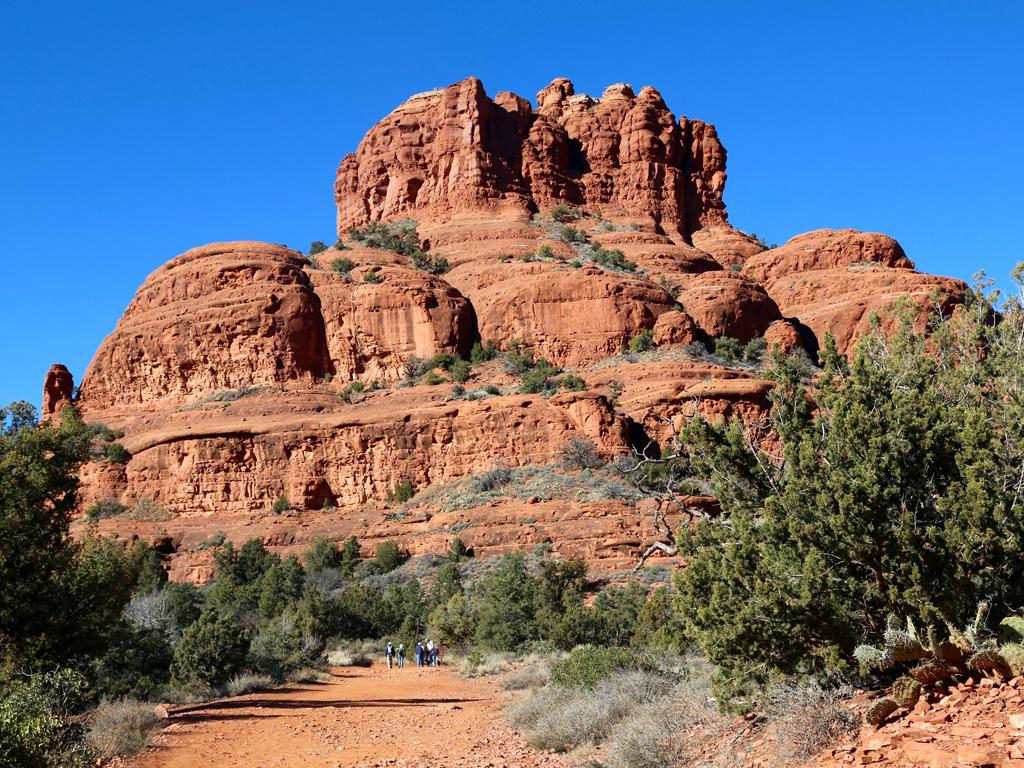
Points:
(132, 131)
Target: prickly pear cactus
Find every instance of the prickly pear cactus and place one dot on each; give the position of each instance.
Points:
(991, 663)
(1013, 653)
(932, 671)
(1011, 630)
(905, 692)
(880, 710)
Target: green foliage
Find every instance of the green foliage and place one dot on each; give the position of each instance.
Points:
(572, 383)
(36, 730)
(613, 259)
(753, 349)
(506, 606)
(897, 494)
(482, 353)
(105, 509)
(457, 551)
(342, 266)
(546, 252)
(38, 495)
(281, 647)
(317, 247)
(372, 277)
(352, 392)
(116, 453)
(400, 237)
(571, 235)
(350, 552)
(563, 213)
(388, 556)
(401, 493)
(728, 348)
(432, 378)
(281, 505)
(642, 342)
(460, 370)
(617, 388)
(435, 265)
(322, 555)
(149, 569)
(588, 665)
(210, 651)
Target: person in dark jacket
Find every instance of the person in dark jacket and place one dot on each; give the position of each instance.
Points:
(419, 654)
(401, 655)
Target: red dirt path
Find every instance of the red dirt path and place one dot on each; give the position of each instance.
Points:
(361, 717)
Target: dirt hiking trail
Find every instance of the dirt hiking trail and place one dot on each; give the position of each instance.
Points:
(369, 717)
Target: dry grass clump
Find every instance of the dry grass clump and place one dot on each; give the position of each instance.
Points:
(483, 664)
(358, 653)
(307, 675)
(680, 729)
(121, 727)
(247, 682)
(805, 719)
(561, 718)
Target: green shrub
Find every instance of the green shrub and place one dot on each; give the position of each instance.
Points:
(571, 235)
(210, 651)
(281, 505)
(727, 348)
(433, 378)
(36, 730)
(457, 551)
(613, 259)
(754, 348)
(402, 492)
(460, 371)
(388, 556)
(588, 665)
(372, 277)
(317, 247)
(563, 213)
(105, 509)
(572, 383)
(352, 392)
(280, 647)
(642, 342)
(342, 266)
(481, 353)
(546, 252)
(116, 453)
(322, 555)
(400, 237)
(538, 380)
(435, 265)
(491, 389)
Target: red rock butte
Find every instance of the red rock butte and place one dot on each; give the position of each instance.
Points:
(226, 372)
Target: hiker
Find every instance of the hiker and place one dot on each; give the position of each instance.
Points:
(401, 655)
(433, 656)
(430, 653)
(419, 654)
(389, 654)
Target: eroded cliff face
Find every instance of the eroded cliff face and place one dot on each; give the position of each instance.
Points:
(455, 150)
(234, 373)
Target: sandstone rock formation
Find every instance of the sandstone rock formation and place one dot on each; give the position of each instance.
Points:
(235, 372)
(58, 388)
(454, 150)
(835, 281)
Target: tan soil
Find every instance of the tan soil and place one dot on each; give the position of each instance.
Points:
(360, 717)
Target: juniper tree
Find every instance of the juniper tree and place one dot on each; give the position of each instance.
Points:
(892, 486)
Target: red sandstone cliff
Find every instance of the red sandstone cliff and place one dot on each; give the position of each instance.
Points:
(226, 371)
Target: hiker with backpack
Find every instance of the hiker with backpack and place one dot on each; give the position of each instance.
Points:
(419, 654)
(401, 655)
(389, 654)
